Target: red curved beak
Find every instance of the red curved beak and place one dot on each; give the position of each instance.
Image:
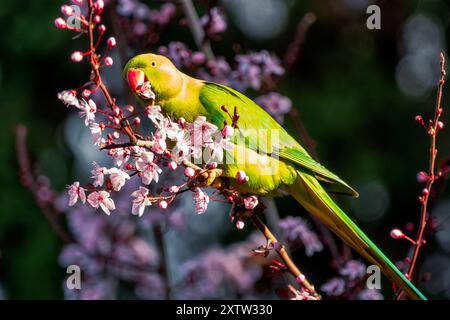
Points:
(135, 79)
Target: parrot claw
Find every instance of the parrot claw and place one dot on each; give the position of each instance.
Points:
(208, 177)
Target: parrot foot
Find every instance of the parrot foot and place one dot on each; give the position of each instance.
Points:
(208, 178)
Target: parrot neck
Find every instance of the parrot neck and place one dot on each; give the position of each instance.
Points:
(187, 103)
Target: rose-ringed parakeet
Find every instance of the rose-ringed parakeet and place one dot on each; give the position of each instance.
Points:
(282, 163)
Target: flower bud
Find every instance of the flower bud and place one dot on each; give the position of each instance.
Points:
(241, 177)
(101, 28)
(116, 111)
(66, 10)
(212, 165)
(181, 122)
(97, 19)
(99, 5)
(422, 177)
(425, 191)
(397, 234)
(109, 61)
(174, 189)
(111, 42)
(240, 224)
(227, 131)
(250, 202)
(137, 121)
(76, 56)
(173, 165)
(60, 23)
(163, 204)
(440, 125)
(189, 172)
(116, 135)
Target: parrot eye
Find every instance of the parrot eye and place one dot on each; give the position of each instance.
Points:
(153, 64)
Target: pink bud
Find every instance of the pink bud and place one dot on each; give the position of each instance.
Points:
(440, 125)
(76, 56)
(116, 121)
(419, 119)
(425, 191)
(241, 177)
(300, 278)
(60, 23)
(109, 61)
(397, 234)
(86, 93)
(212, 165)
(116, 135)
(189, 172)
(137, 121)
(97, 19)
(422, 177)
(99, 5)
(240, 224)
(227, 131)
(111, 42)
(116, 111)
(181, 122)
(173, 165)
(174, 189)
(163, 204)
(101, 28)
(250, 202)
(66, 10)
(102, 126)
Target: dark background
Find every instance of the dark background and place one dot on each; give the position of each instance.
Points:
(357, 92)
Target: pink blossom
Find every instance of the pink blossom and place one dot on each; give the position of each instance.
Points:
(96, 132)
(227, 131)
(98, 174)
(154, 113)
(120, 155)
(69, 98)
(201, 201)
(250, 202)
(75, 192)
(397, 234)
(101, 199)
(201, 131)
(150, 170)
(140, 201)
(88, 110)
(118, 178)
(217, 146)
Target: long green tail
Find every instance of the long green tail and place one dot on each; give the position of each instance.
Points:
(312, 196)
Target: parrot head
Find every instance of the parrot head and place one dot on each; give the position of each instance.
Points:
(152, 76)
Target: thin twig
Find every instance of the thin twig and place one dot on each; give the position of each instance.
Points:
(431, 171)
(29, 181)
(432, 128)
(196, 28)
(281, 250)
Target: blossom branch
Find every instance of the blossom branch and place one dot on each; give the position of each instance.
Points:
(433, 127)
(42, 193)
(281, 250)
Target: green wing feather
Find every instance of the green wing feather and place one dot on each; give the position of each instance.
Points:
(253, 117)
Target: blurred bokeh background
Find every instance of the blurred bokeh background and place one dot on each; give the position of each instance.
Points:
(356, 91)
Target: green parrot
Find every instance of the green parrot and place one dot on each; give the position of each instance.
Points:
(281, 162)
